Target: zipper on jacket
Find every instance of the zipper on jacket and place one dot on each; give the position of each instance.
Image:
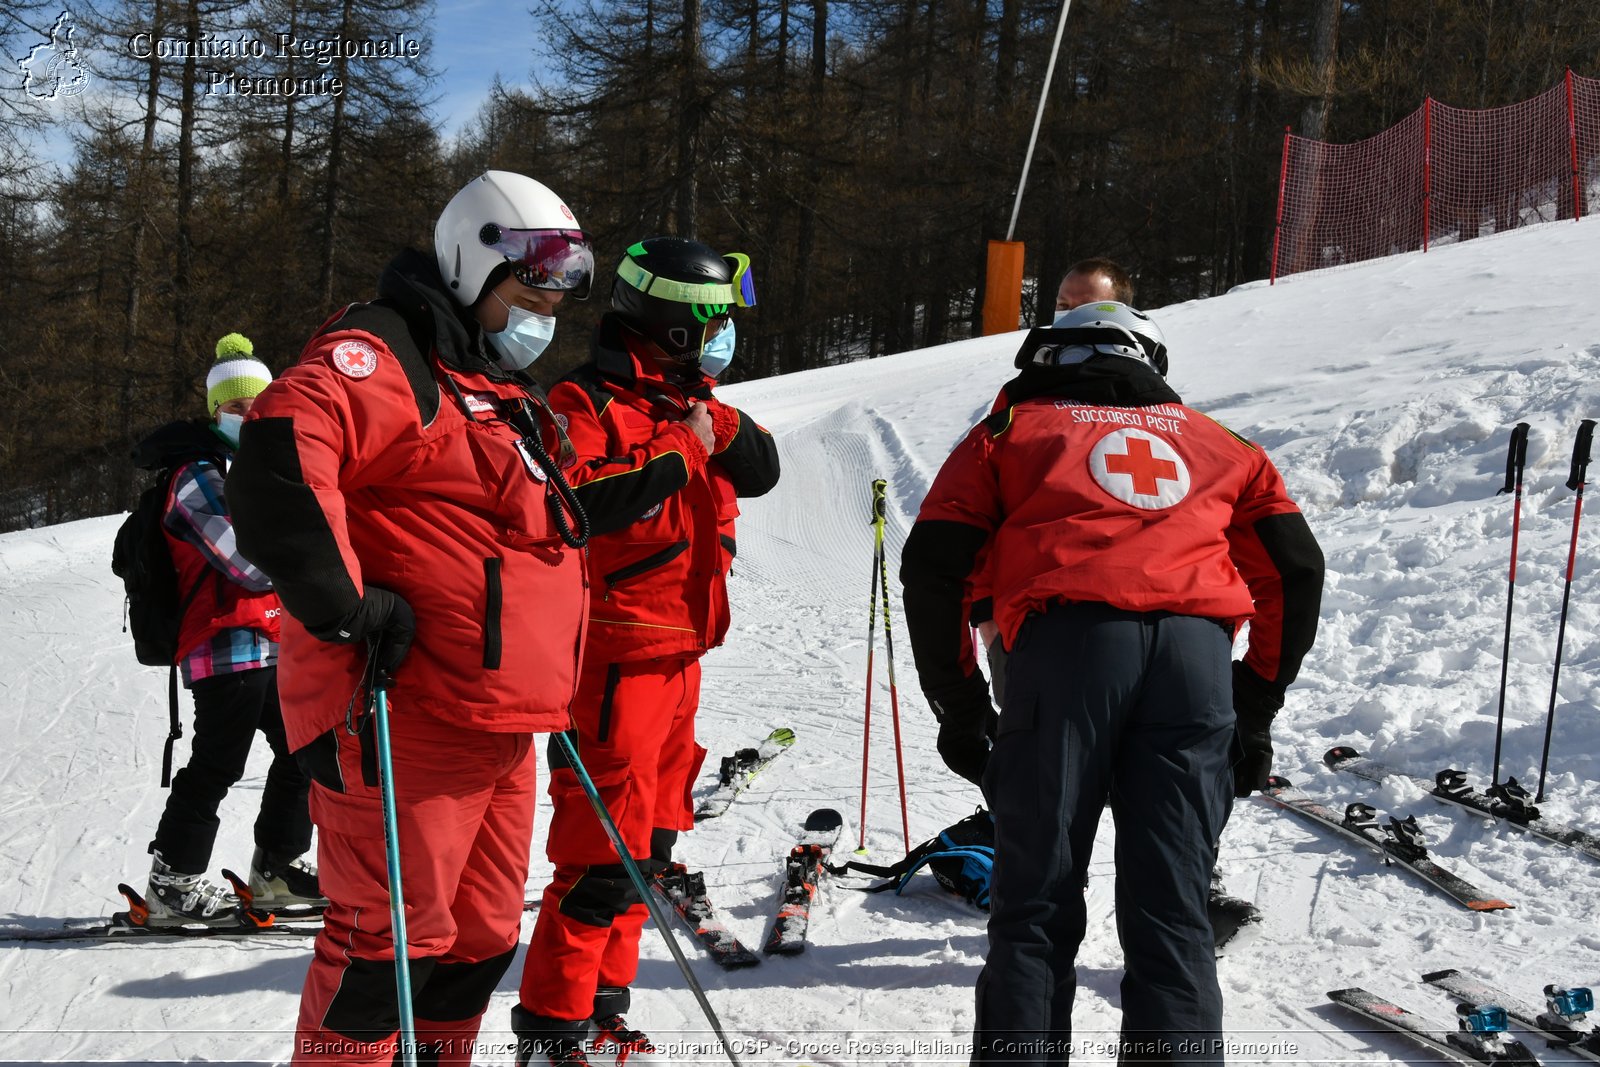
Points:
(491, 613)
(638, 567)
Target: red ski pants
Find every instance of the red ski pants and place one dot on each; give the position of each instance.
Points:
(464, 802)
(635, 724)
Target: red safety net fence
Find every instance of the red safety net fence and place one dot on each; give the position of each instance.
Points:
(1440, 175)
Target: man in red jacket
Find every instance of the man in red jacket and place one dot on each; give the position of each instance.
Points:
(1089, 280)
(660, 461)
(399, 488)
(1130, 537)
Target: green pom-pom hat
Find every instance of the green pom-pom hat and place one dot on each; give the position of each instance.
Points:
(235, 345)
(236, 374)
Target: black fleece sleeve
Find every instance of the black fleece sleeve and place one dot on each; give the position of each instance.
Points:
(750, 459)
(1298, 562)
(620, 493)
(938, 558)
(281, 527)
(618, 481)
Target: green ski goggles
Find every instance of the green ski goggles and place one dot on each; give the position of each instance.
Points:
(722, 296)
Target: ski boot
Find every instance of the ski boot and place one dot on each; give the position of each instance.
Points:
(176, 898)
(542, 1040)
(609, 1004)
(281, 883)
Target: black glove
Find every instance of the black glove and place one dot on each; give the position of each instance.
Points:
(966, 722)
(1255, 703)
(385, 621)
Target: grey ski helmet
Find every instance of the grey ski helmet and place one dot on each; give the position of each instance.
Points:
(1104, 328)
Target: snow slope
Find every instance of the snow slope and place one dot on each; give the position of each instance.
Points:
(1384, 392)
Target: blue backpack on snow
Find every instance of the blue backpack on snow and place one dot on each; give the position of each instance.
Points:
(961, 859)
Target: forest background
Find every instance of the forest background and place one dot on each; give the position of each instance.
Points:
(862, 152)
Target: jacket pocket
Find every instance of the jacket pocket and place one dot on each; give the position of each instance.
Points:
(602, 729)
(645, 565)
(319, 760)
(491, 613)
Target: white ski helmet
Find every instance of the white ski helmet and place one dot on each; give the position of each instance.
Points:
(501, 217)
(1104, 328)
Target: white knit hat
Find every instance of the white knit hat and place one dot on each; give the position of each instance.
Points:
(236, 374)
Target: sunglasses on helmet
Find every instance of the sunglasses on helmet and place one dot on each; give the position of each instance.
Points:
(561, 260)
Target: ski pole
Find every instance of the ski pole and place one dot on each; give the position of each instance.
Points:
(397, 903)
(1575, 480)
(1516, 456)
(635, 875)
(878, 485)
(894, 696)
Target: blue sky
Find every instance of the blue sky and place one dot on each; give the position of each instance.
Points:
(467, 42)
(473, 40)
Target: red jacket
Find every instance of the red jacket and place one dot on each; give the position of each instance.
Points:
(371, 461)
(218, 603)
(1108, 489)
(661, 508)
(221, 592)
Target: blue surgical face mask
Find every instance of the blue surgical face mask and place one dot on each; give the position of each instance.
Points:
(228, 427)
(524, 338)
(718, 352)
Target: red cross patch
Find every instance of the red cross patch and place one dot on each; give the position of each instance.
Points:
(354, 359)
(1139, 468)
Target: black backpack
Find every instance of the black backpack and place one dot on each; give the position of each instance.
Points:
(961, 858)
(154, 606)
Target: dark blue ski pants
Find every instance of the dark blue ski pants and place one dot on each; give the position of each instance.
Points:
(1135, 709)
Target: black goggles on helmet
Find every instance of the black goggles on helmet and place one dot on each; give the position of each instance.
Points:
(560, 260)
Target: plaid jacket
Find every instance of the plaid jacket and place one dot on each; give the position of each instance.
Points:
(232, 620)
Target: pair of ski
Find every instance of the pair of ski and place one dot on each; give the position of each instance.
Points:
(1234, 921)
(1508, 801)
(249, 920)
(737, 771)
(685, 891)
(252, 921)
(1483, 1012)
(1399, 841)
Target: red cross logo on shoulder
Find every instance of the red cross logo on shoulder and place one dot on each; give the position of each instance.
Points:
(1140, 469)
(354, 359)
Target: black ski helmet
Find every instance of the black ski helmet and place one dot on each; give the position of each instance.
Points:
(669, 288)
